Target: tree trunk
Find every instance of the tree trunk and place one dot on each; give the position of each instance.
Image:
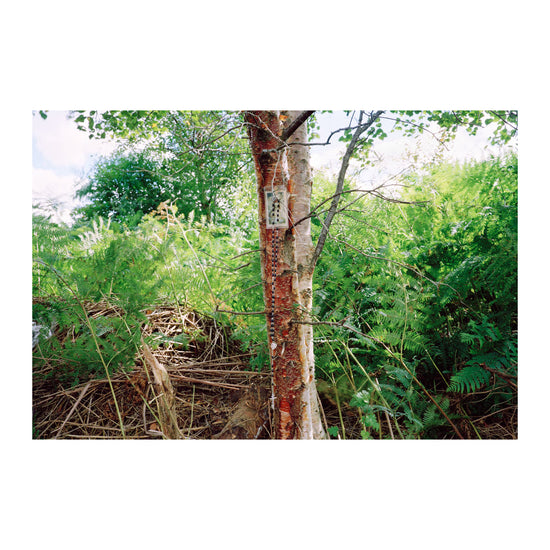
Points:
(286, 271)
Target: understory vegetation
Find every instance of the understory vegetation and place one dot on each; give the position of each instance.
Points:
(421, 305)
(415, 300)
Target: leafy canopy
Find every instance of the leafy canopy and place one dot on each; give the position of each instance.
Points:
(124, 187)
(204, 156)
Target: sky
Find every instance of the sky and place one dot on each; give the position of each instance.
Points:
(393, 154)
(63, 155)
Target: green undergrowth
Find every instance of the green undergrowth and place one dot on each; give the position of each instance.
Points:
(422, 304)
(84, 347)
(416, 303)
(167, 259)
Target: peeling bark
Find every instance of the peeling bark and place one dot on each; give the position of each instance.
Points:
(288, 287)
(300, 205)
(166, 397)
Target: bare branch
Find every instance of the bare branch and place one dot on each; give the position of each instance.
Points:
(410, 267)
(361, 128)
(241, 312)
(245, 253)
(314, 213)
(374, 191)
(423, 128)
(320, 143)
(297, 122)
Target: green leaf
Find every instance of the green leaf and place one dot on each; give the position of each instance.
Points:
(469, 379)
(333, 431)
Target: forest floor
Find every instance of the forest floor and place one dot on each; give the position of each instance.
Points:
(215, 394)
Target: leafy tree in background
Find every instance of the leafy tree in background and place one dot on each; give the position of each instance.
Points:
(203, 156)
(124, 187)
(206, 158)
(208, 161)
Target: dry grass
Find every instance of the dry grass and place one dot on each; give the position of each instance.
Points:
(216, 395)
(209, 385)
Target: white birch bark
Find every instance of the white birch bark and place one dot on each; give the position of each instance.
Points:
(300, 206)
(287, 270)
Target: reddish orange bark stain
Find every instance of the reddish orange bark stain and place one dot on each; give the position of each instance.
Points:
(286, 359)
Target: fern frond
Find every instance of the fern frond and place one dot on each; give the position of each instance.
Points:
(414, 342)
(492, 360)
(400, 374)
(470, 339)
(432, 417)
(469, 379)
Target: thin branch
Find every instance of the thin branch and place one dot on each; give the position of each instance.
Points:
(361, 128)
(505, 376)
(319, 143)
(245, 253)
(399, 201)
(375, 228)
(504, 120)
(314, 213)
(241, 312)
(401, 264)
(423, 128)
(373, 191)
(297, 122)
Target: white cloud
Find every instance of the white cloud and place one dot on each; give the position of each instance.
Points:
(60, 144)
(54, 193)
(47, 184)
(327, 157)
(62, 155)
(467, 147)
(397, 153)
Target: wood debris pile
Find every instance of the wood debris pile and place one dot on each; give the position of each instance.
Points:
(210, 393)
